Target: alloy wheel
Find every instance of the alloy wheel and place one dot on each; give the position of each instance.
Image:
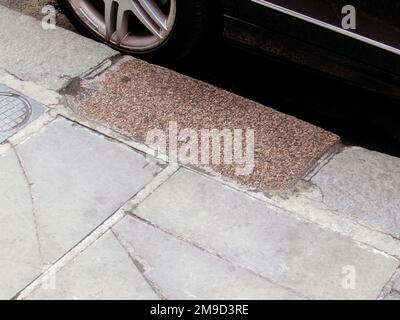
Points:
(137, 25)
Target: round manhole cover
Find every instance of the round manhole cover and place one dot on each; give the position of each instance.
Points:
(15, 111)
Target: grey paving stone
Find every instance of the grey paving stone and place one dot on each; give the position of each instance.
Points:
(396, 284)
(311, 260)
(20, 260)
(182, 271)
(393, 296)
(365, 186)
(78, 179)
(48, 57)
(103, 271)
(34, 9)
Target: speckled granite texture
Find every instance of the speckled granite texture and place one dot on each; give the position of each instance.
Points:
(134, 97)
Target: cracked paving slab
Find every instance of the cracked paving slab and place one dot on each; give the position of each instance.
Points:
(271, 242)
(20, 259)
(395, 296)
(364, 186)
(33, 209)
(180, 270)
(65, 181)
(78, 178)
(396, 285)
(50, 58)
(103, 272)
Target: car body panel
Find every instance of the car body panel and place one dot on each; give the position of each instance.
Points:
(379, 28)
(308, 44)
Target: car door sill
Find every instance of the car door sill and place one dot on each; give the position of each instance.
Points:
(327, 26)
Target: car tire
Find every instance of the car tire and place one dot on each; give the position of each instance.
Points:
(194, 27)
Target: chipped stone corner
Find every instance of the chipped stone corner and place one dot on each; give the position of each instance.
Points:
(323, 160)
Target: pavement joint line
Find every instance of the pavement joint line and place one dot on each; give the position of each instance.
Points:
(32, 199)
(7, 147)
(335, 212)
(69, 114)
(215, 254)
(12, 75)
(60, 110)
(324, 160)
(387, 289)
(325, 218)
(97, 233)
(110, 133)
(129, 251)
(347, 227)
(262, 198)
(50, 77)
(394, 291)
(32, 129)
(4, 148)
(366, 237)
(36, 92)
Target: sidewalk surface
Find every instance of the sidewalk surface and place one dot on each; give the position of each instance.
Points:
(88, 213)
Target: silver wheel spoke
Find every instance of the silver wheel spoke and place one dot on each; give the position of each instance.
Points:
(110, 12)
(154, 13)
(148, 14)
(122, 25)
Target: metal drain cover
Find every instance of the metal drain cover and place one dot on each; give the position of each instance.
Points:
(16, 111)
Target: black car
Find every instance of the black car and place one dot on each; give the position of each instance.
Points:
(358, 41)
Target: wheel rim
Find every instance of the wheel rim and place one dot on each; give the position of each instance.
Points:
(132, 24)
